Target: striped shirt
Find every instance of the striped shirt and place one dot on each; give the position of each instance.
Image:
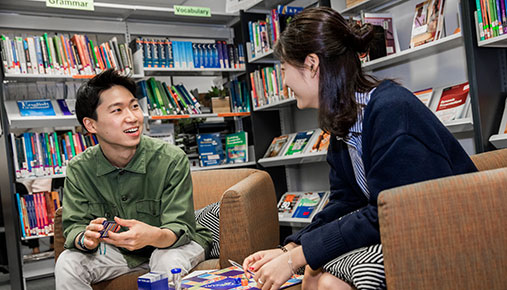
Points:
(354, 143)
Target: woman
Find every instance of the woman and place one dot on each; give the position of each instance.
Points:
(382, 137)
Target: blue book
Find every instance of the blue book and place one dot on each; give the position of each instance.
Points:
(20, 210)
(62, 103)
(169, 54)
(197, 63)
(211, 151)
(36, 108)
(189, 54)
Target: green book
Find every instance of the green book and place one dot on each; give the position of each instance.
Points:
(236, 147)
(158, 98)
(57, 149)
(71, 141)
(298, 144)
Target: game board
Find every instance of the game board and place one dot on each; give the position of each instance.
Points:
(225, 279)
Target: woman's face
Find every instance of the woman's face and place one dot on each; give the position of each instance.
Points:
(304, 83)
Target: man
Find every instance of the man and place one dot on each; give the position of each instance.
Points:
(141, 183)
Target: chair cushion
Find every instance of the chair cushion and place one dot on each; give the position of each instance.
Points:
(209, 217)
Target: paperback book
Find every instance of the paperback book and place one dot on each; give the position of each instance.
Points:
(236, 147)
(211, 151)
(321, 142)
(277, 146)
(424, 96)
(67, 106)
(36, 108)
(428, 22)
(298, 144)
(301, 206)
(453, 102)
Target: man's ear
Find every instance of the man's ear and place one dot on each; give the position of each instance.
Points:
(312, 62)
(90, 125)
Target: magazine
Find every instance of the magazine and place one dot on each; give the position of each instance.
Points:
(298, 144)
(276, 146)
(428, 22)
(211, 151)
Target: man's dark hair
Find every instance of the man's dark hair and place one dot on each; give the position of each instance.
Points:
(88, 95)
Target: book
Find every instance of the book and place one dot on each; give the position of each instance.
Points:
(385, 20)
(277, 146)
(428, 20)
(211, 151)
(321, 142)
(503, 122)
(227, 278)
(453, 102)
(236, 147)
(42, 107)
(301, 206)
(424, 96)
(67, 106)
(298, 144)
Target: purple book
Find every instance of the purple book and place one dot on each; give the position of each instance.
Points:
(64, 106)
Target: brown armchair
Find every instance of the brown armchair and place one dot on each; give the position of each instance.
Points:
(448, 233)
(248, 217)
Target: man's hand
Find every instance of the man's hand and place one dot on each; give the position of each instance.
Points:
(91, 234)
(140, 235)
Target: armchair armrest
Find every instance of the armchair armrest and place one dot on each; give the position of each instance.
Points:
(248, 218)
(447, 233)
(59, 241)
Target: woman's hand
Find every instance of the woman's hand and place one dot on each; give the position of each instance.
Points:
(255, 261)
(274, 273)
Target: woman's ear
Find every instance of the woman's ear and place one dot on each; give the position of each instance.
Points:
(89, 124)
(312, 61)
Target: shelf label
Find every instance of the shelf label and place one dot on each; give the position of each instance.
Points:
(191, 11)
(71, 4)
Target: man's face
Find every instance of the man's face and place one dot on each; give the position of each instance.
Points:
(119, 121)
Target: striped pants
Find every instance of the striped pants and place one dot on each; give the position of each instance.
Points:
(363, 268)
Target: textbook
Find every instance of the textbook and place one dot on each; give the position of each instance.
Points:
(36, 108)
(424, 96)
(453, 102)
(211, 151)
(227, 278)
(301, 206)
(298, 144)
(277, 146)
(236, 147)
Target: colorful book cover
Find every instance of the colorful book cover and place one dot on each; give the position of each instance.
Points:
(301, 206)
(453, 102)
(227, 279)
(299, 142)
(322, 142)
(276, 146)
(236, 147)
(210, 147)
(36, 108)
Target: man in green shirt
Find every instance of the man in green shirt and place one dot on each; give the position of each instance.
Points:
(141, 183)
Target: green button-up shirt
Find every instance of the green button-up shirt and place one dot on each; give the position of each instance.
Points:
(155, 188)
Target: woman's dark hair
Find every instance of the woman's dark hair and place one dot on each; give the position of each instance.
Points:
(337, 43)
(88, 95)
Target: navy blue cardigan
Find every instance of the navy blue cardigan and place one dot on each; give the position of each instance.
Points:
(403, 143)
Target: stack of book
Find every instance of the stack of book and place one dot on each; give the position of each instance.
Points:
(62, 54)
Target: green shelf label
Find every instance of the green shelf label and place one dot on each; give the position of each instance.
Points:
(71, 4)
(192, 11)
